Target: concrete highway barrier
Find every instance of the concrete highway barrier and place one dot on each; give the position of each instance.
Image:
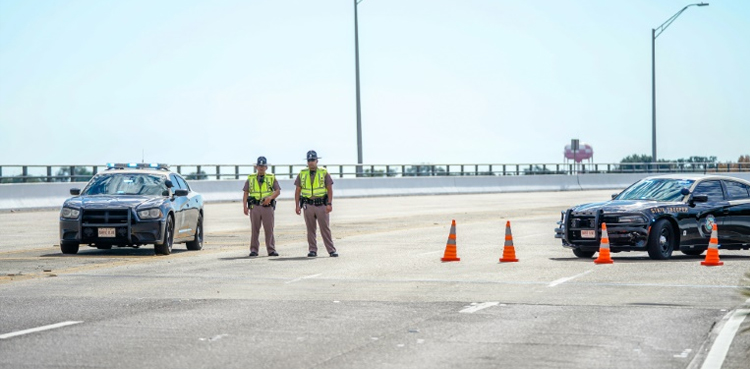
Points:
(52, 195)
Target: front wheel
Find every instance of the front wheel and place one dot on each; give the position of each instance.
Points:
(583, 254)
(661, 241)
(165, 248)
(197, 243)
(69, 247)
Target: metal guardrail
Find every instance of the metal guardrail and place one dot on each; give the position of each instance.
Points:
(82, 173)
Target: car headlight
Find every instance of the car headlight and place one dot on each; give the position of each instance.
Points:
(631, 219)
(70, 213)
(149, 213)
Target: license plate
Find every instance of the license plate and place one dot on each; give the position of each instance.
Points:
(588, 233)
(106, 232)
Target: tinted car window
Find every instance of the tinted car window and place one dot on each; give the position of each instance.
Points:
(710, 188)
(177, 184)
(126, 184)
(737, 190)
(183, 184)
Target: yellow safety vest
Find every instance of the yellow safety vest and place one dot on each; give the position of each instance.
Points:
(257, 190)
(313, 187)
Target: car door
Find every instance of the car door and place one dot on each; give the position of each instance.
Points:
(715, 210)
(738, 220)
(191, 209)
(180, 206)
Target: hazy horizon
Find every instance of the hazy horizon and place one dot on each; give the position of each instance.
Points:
(476, 81)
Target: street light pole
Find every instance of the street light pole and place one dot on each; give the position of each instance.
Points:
(653, 95)
(359, 109)
(655, 32)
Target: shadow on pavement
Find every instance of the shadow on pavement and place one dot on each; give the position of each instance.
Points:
(292, 258)
(270, 258)
(639, 259)
(114, 252)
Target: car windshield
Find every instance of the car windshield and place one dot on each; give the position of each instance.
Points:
(661, 189)
(127, 184)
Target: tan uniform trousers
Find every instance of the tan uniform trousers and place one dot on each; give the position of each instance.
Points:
(262, 215)
(313, 213)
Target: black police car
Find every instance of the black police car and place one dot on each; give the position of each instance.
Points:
(661, 214)
(133, 205)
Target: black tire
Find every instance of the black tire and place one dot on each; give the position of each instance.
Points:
(68, 247)
(165, 248)
(661, 241)
(583, 254)
(197, 243)
(693, 252)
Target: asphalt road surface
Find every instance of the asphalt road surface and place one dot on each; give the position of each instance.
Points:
(386, 302)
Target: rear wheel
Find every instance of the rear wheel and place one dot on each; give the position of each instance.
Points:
(197, 243)
(661, 241)
(165, 248)
(69, 247)
(583, 254)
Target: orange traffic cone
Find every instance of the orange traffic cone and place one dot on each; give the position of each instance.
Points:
(712, 254)
(509, 252)
(450, 246)
(604, 257)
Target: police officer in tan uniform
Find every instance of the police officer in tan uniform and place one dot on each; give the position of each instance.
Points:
(315, 194)
(259, 201)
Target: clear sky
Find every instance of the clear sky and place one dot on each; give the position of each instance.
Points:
(469, 81)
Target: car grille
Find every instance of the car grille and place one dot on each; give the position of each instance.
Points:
(583, 222)
(108, 216)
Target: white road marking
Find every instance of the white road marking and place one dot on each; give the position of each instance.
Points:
(563, 280)
(718, 352)
(218, 337)
(684, 354)
(303, 278)
(37, 329)
(478, 307)
(214, 338)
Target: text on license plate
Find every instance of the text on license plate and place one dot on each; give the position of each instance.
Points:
(106, 232)
(588, 233)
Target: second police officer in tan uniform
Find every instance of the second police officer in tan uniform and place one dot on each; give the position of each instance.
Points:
(314, 193)
(259, 199)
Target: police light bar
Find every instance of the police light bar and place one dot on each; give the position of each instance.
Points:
(160, 166)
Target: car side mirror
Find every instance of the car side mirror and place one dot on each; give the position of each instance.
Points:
(169, 184)
(700, 198)
(179, 193)
(75, 191)
(614, 195)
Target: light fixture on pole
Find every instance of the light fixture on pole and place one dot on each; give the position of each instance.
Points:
(655, 32)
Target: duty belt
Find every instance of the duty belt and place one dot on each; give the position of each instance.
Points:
(315, 202)
(253, 201)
